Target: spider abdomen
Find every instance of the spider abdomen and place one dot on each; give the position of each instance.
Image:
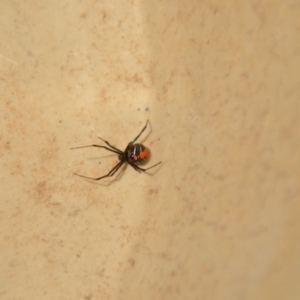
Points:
(137, 153)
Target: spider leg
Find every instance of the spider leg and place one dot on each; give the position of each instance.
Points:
(141, 132)
(107, 143)
(133, 166)
(137, 168)
(115, 150)
(109, 174)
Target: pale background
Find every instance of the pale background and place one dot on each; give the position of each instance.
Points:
(219, 82)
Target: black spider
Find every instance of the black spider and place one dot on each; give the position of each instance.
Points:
(133, 154)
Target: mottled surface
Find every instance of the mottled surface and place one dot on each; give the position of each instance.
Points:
(219, 82)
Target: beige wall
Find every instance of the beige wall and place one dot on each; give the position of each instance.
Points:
(220, 85)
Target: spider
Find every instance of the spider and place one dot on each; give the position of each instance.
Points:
(133, 154)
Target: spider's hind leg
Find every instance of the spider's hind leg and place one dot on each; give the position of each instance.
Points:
(109, 174)
(137, 168)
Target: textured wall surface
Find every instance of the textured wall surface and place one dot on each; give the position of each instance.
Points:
(219, 82)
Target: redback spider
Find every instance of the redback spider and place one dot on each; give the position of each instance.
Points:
(133, 154)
